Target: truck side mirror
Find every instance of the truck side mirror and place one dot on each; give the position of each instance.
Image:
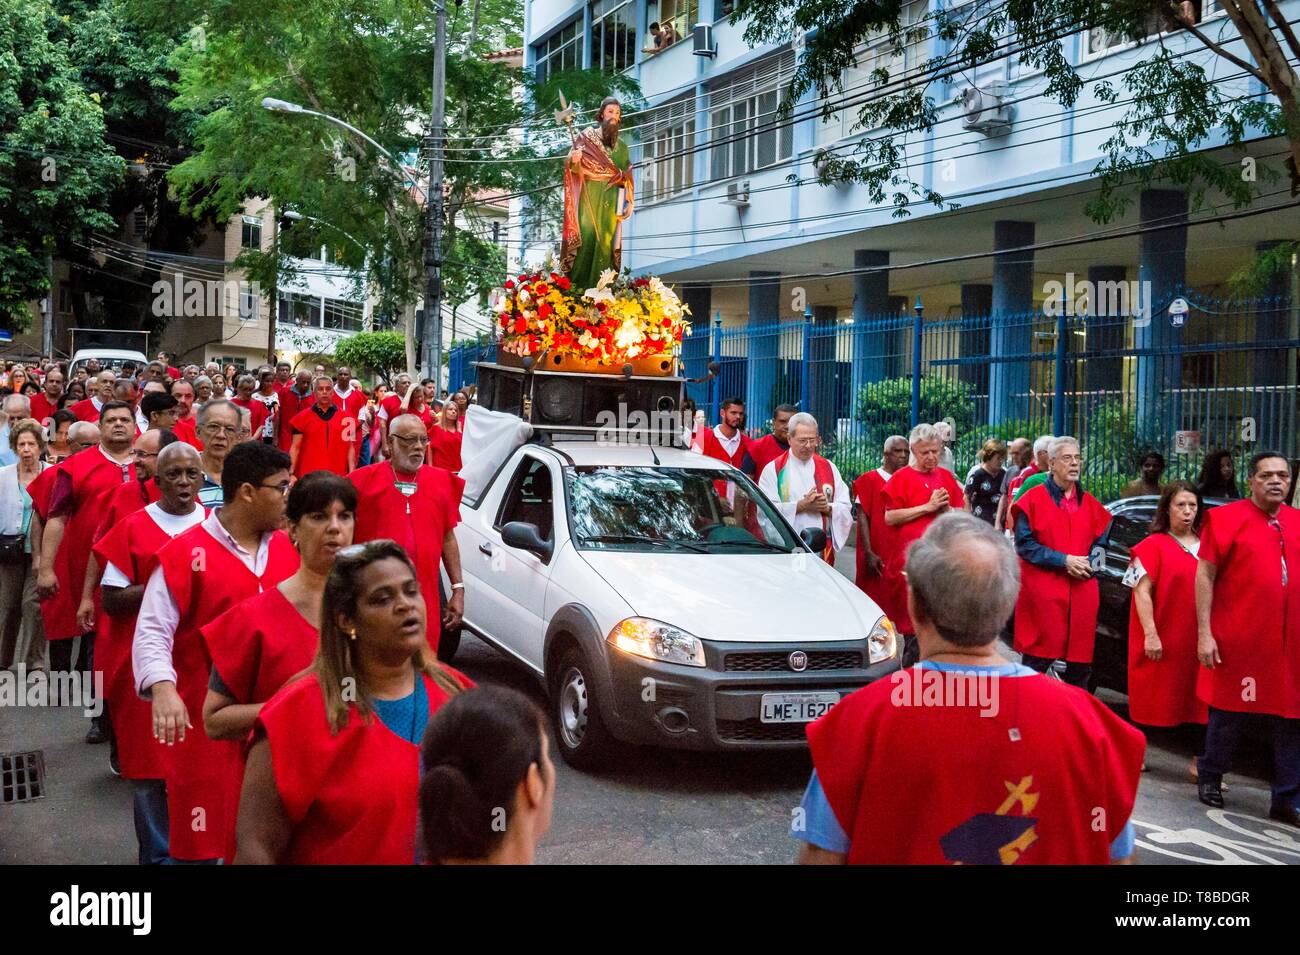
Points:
(525, 536)
(815, 538)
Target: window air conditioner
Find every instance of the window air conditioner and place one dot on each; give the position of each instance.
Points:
(985, 110)
(703, 38)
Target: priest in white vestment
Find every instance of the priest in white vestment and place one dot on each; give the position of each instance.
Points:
(807, 489)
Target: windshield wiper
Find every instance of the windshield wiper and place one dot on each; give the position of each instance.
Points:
(751, 543)
(639, 539)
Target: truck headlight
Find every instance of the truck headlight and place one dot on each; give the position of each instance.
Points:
(882, 641)
(656, 640)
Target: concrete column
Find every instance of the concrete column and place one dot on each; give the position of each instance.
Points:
(976, 303)
(763, 360)
(872, 343)
(1106, 330)
(1010, 332)
(696, 348)
(1162, 270)
(823, 367)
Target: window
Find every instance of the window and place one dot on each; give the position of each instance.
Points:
(1099, 41)
(299, 309)
(676, 19)
(247, 304)
(251, 238)
(744, 121)
(667, 163)
(561, 51)
(140, 223)
(529, 498)
(343, 315)
(725, 8)
(65, 298)
(613, 35)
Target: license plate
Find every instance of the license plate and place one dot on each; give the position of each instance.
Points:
(796, 707)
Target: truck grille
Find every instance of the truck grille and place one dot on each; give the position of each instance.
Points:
(756, 731)
(767, 661)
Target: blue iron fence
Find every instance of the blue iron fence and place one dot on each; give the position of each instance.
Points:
(1222, 376)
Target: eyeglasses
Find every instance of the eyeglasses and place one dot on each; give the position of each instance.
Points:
(419, 441)
(215, 429)
(282, 487)
(145, 454)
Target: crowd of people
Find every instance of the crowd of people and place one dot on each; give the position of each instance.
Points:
(252, 560)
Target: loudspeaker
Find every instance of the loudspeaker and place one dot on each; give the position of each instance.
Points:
(576, 400)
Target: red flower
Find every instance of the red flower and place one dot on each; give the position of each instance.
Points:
(521, 325)
(543, 309)
(554, 277)
(602, 307)
(509, 283)
(541, 289)
(667, 323)
(563, 282)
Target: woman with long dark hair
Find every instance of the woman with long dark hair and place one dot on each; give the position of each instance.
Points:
(1162, 663)
(488, 784)
(1218, 476)
(332, 774)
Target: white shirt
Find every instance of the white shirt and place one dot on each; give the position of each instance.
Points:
(169, 524)
(272, 402)
(802, 479)
(155, 628)
(728, 444)
(141, 421)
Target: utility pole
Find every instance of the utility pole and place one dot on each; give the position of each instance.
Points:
(431, 328)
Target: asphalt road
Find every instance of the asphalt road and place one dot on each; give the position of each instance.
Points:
(650, 806)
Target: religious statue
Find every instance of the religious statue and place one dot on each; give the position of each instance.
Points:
(598, 196)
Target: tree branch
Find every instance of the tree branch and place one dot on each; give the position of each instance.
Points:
(1176, 14)
(1282, 25)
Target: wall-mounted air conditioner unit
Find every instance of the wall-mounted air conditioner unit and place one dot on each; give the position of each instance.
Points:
(986, 110)
(703, 37)
(738, 194)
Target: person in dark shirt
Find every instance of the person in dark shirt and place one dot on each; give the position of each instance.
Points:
(984, 484)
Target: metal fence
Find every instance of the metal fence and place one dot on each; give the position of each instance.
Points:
(1222, 375)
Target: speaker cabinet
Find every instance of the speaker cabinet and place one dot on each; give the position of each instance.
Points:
(576, 400)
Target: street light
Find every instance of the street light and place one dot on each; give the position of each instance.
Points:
(284, 106)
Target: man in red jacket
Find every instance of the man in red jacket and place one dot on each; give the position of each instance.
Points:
(294, 397)
(968, 758)
(47, 402)
(406, 500)
(1248, 618)
(323, 435)
(101, 393)
(771, 446)
(1060, 529)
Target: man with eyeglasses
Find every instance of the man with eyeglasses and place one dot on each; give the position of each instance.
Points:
(236, 552)
(1060, 530)
(807, 488)
(405, 500)
(219, 421)
(324, 436)
(100, 393)
(1248, 617)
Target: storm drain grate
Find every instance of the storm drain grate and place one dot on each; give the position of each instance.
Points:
(22, 776)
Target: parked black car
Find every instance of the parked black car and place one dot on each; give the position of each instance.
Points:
(1132, 523)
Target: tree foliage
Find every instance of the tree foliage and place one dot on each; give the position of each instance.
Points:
(56, 170)
(1174, 107)
(382, 353)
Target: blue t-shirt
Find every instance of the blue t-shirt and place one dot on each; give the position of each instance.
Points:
(408, 716)
(823, 830)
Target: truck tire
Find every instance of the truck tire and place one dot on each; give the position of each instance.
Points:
(584, 741)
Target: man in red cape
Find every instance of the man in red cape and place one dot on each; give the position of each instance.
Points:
(236, 552)
(967, 758)
(129, 554)
(1248, 623)
(81, 486)
(1060, 529)
(768, 448)
(418, 506)
(875, 537)
(323, 435)
(101, 393)
(914, 497)
(295, 396)
(350, 399)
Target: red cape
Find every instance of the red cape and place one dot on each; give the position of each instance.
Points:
(908, 487)
(1040, 773)
(1163, 692)
(324, 444)
(868, 492)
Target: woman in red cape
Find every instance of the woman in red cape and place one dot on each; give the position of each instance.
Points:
(258, 645)
(1162, 664)
(445, 437)
(332, 773)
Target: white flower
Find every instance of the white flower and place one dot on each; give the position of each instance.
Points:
(599, 294)
(606, 279)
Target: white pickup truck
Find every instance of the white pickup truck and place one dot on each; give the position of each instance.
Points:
(662, 600)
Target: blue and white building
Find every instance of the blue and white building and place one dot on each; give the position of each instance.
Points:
(728, 207)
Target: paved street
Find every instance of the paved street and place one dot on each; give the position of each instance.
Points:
(653, 806)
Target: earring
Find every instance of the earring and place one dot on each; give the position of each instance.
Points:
(352, 634)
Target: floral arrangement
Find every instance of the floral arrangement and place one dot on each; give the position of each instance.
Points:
(621, 319)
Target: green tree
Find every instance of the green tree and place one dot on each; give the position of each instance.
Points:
(1176, 106)
(474, 267)
(56, 172)
(383, 353)
(368, 62)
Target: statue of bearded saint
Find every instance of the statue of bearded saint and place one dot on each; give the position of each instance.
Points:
(598, 196)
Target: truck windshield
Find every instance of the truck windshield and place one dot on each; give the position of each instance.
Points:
(684, 509)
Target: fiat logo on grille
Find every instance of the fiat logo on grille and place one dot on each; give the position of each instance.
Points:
(798, 661)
